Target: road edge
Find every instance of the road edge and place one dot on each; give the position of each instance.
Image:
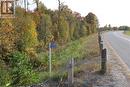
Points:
(124, 68)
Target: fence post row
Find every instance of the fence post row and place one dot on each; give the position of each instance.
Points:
(103, 56)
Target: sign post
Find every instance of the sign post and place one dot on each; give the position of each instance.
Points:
(51, 46)
(50, 59)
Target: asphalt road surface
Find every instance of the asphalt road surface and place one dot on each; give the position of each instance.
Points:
(121, 44)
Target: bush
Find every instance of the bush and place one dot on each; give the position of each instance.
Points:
(34, 60)
(21, 72)
(5, 78)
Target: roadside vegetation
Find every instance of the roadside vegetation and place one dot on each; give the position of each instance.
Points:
(24, 43)
(127, 32)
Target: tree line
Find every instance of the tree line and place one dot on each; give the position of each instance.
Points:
(30, 32)
(36, 28)
(113, 28)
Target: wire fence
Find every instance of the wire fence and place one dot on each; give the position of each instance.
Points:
(69, 70)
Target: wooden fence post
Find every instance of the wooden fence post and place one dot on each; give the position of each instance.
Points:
(101, 44)
(71, 73)
(103, 62)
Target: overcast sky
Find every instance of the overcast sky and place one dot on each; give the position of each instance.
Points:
(114, 12)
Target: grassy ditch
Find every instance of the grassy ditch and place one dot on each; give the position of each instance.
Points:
(85, 48)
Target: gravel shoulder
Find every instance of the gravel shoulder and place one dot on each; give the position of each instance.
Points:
(118, 73)
(118, 69)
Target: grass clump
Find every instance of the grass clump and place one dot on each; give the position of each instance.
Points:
(127, 33)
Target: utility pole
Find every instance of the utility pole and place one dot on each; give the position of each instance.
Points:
(59, 4)
(37, 4)
(27, 5)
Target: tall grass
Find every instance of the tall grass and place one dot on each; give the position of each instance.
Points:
(86, 47)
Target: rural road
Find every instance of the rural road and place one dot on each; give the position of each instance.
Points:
(121, 44)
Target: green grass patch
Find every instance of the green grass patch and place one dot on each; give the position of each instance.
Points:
(127, 33)
(85, 47)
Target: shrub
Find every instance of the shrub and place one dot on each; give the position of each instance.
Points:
(4, 78)
(21, 72)
(4, 75)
